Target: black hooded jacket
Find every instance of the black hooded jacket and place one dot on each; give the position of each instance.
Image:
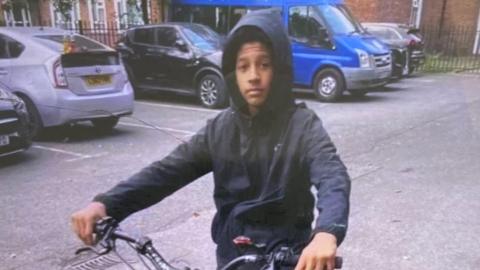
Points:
(263, 167)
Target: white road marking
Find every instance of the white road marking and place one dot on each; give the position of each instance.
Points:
(422, 80)
(78, 156)
(60, 151)
(177, 107)
(86, 157)
(188, 133)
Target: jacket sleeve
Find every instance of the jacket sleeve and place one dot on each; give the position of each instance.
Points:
(187, 162)
(329, 175)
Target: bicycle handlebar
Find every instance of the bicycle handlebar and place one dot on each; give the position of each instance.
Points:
(288, 261)
(107, 232)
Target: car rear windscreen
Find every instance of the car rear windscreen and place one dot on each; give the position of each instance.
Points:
(94, 58)
(55, 42)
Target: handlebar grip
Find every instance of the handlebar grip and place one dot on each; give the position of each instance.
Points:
(293, 260)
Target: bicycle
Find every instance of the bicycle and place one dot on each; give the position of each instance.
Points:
(107, 232)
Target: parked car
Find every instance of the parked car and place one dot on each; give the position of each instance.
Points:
(90, 83)
(403, 39)
(183, 58)
(14, 123)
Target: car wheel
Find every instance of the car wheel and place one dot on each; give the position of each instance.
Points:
(329, 85)
(211, 91)
(35, 125)
(105, 124)
(358, 93)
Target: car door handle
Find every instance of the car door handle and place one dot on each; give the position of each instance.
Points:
(3, 72)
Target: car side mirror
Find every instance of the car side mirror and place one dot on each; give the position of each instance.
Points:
(181, 45)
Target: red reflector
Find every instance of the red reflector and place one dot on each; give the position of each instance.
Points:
(242, 241)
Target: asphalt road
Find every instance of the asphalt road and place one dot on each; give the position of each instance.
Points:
(412, 149)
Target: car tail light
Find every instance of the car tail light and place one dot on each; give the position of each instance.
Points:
(412, 43)
(59, 75)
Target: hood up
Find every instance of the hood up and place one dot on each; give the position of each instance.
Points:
(269, 21)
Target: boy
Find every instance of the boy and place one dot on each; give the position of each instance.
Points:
(265, 153)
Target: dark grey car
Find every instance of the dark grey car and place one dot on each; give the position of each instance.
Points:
(14, 124)
(183, 58)
(406, 45)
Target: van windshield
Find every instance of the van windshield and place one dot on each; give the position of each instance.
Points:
(339, 19)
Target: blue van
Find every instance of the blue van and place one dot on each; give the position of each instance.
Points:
(332, 52)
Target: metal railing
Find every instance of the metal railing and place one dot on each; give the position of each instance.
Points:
(107, 33)
(452, 49)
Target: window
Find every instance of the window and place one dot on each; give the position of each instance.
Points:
(144, 35)
(221, 19)
(338, 18)
(304, 24)
(10, 48)
(384, 33)
(416, 12)
(74, 16)
(18, 15)
(3, 48)
(166, 36)
(98, 13)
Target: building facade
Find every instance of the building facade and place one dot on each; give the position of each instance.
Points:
(96, 13)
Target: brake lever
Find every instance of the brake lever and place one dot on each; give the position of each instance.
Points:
(103, 242)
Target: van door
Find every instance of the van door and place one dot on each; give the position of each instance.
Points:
(310, 42)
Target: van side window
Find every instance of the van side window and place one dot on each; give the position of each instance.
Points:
(304, 24)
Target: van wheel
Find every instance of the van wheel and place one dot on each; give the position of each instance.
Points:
(105, 124)
(329, 85)
(35, 125)
(211, 91)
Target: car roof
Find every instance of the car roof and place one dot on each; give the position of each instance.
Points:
(35, 30)
(184, 24)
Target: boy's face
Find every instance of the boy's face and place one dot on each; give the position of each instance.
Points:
(254, 71)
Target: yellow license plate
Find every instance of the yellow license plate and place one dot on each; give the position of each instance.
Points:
(97, 80)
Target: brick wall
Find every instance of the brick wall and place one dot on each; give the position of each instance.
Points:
(110, 12)
(455, 34)
(397, 11)
(84, 13)
(458, 13)
(45, 14)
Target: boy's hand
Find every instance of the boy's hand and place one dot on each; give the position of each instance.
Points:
(83, 221)
(319, 254)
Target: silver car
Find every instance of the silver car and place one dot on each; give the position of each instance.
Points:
(89, 83)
